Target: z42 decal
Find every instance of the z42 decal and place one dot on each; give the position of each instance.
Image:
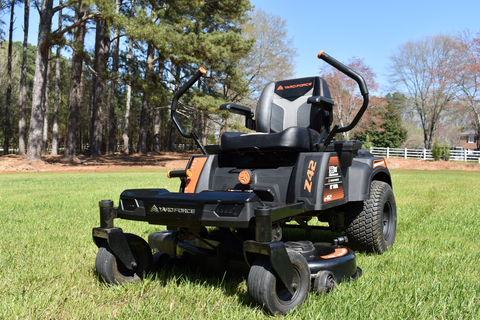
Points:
(312, 165)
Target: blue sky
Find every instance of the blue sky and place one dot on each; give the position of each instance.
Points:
(371, 29)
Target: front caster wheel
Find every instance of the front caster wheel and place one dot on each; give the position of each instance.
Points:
(113, 271)
(324, 282)
(272, 295)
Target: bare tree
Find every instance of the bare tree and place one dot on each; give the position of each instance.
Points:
(468, 76)
(272, 55)
(345, 93)
(425, 71)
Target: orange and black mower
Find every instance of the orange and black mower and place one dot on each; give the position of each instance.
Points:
(286, 206)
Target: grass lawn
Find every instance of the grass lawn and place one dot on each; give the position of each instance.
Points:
(47, 256)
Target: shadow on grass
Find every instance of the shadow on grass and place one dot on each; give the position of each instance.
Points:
(208, 272)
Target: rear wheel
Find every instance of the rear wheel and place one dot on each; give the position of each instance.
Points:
(272, 295)
(114, 271)
(371, 225)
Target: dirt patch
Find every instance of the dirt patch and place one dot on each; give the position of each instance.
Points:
(171, 160)
(413, 164)
(167, 160)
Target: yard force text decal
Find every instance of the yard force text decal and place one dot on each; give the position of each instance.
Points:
(333, 187)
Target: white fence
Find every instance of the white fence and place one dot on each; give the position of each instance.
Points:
(424, 154)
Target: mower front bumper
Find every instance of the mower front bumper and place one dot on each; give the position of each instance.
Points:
(196, 210)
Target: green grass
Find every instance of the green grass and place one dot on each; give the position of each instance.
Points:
(47, 256)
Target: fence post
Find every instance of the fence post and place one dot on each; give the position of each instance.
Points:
(371, 150)
(405, 154)
(424, 154)
(388, 152)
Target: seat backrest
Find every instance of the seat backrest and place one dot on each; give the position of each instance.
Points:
(283, 104)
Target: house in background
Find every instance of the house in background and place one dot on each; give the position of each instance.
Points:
(468, 140)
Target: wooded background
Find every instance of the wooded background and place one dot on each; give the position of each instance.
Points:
(102, 81)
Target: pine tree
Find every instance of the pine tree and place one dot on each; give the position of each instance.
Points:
(76, 80)
(22, 101)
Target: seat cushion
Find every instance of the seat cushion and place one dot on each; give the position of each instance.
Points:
(292, 139)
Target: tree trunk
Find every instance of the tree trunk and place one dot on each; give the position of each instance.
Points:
(6, 131)
(156, 128)
(57, 93)
(34, 147)
(158, 110)
(173, 128)
(75, 84)
(22, 100)
(142, 136)
(173, 133)
(129, 99)
(115, 50)
(203, 127)
(102, 44)
(45, 103)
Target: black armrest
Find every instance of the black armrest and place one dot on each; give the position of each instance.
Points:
(320, 101)
(241, 110)
(237, 108)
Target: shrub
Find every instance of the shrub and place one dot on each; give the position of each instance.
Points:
(446, 151)
(437, 150)
(440, 152)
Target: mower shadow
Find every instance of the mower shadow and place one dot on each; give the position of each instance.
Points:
(180, 272)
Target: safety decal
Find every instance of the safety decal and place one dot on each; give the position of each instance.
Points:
(333, 187)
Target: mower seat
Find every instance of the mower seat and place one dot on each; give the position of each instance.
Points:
(284, 120)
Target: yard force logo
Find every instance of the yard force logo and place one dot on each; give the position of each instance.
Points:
(155, 209)
(294, 86)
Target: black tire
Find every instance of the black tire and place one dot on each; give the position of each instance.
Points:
(113, 271)
(371, 225)
(272, 295)
(324, 282)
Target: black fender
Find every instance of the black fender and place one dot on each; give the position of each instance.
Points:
(363, 171)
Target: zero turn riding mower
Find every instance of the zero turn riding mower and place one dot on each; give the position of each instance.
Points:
(237, 198)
